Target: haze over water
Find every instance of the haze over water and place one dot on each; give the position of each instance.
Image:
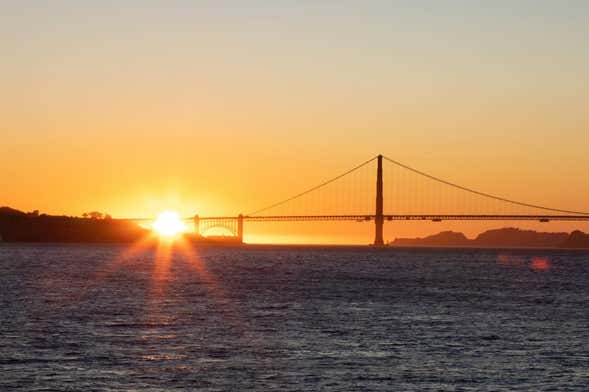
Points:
(82, 317)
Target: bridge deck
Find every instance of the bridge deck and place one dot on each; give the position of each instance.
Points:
(396, 217)
(401, 217)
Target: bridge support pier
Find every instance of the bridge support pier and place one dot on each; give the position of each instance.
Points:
(240, 228)
(378, 214)
(196, 225)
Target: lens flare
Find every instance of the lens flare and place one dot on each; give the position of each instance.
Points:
(168, 224)
(540, 264)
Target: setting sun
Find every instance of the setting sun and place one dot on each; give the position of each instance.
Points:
(168, 224)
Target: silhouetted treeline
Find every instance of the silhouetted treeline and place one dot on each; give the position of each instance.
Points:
(508, 237)
(19, 226)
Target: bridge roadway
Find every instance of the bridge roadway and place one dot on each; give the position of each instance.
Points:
(396, 217)
(368, 218)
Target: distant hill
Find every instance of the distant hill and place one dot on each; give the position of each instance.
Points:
(445, 238)
(515, 237)
(577, 239)
(18, 226)
(7, 211)
(507, 237)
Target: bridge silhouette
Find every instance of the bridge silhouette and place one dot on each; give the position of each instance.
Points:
(403, 194)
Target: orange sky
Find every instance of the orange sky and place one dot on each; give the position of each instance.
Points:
(212, 109)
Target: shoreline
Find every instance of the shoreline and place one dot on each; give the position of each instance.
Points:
(252, 246)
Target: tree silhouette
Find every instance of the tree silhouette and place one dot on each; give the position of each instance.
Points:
(95, 215)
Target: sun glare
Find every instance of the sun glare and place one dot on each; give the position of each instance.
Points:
(168, 224)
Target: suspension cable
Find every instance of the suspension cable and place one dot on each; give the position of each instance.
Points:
(311, 189)
(482, 193)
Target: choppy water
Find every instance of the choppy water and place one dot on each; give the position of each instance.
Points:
(103, 318)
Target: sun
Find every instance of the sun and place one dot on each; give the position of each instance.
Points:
(168, 224)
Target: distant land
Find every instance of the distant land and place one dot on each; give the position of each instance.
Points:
(499, 238)
(19, 226)
(93, 227)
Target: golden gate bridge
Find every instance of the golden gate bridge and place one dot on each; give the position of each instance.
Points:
(391, 191)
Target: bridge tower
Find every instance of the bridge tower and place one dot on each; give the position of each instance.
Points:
(378, 214)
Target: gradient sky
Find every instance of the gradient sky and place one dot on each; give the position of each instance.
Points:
(215, 107)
